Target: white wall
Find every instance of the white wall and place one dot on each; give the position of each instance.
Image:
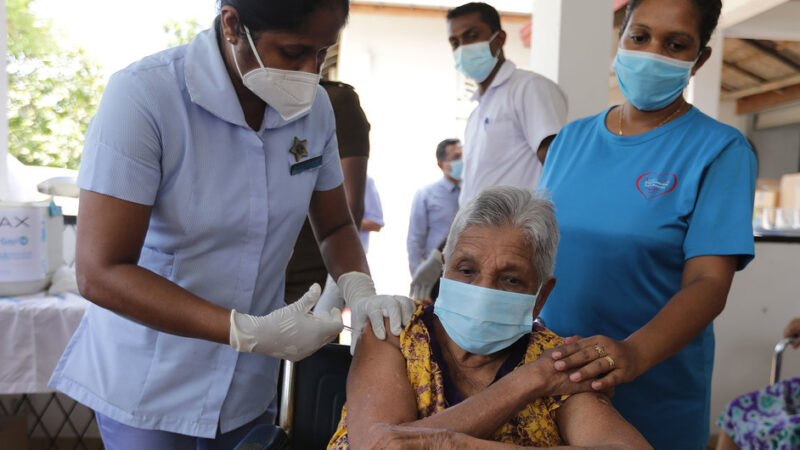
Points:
(403, 70)
(704, 88)
(728, 115)
(762, 19)
(518, 6)
(572, 45)
(778, 152)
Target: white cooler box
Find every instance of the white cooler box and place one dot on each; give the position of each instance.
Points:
(31, 246)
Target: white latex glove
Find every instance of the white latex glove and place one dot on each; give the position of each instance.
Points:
(359, 294)
(330, 299)
(426, 275)
(288, 333)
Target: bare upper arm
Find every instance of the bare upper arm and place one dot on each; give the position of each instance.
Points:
(328, 212)
(588, 419)
(720, 268)
(544, 146)
(378, 390)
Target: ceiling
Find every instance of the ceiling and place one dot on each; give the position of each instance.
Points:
(755, 66)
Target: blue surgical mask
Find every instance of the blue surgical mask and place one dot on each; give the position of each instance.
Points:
(456, 167)
(476, 60)
(650, 81)
(481, 320)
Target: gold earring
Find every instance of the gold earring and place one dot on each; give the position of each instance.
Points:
(228, 38)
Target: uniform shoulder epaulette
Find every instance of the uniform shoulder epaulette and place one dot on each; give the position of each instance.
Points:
(337, 84)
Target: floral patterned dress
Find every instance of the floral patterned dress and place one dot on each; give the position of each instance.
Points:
(427, 373)
(765, 419)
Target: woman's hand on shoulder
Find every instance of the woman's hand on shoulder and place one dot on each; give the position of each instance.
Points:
(545, 381)
(600, 360)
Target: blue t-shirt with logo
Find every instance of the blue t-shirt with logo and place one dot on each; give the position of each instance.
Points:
(631, 211)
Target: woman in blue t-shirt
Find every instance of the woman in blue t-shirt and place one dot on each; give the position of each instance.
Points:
(654, 203)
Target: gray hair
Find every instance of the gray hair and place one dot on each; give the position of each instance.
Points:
(501, 206)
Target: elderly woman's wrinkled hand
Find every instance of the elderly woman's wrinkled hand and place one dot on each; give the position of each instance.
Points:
(546, 381)
(603, 361)
(385, 437)
(793, 329)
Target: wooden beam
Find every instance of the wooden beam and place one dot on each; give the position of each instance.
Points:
(768, 100)
(424, 11)
(764, 48)
(745, 72)
(766, 87)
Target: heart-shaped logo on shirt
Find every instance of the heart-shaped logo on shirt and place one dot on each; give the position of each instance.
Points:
(654, 184)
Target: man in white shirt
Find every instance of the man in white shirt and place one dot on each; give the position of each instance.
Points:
(507, 136)
(518, 114)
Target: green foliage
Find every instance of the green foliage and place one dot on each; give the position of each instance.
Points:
(54, 88)
(182, 32)
(53, 91)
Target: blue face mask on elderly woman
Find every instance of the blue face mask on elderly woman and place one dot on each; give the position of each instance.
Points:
(651, 81)
(481, 320)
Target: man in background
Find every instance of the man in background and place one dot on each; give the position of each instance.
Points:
(518, 114)
(435, 205)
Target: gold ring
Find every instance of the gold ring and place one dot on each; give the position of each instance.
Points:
(610, 362)
(599, 349)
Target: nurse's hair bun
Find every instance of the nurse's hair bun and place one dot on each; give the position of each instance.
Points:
(279, 15)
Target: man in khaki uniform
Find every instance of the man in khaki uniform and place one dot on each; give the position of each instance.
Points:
(352, 132)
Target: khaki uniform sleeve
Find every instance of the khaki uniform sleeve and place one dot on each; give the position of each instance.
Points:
(352, 127)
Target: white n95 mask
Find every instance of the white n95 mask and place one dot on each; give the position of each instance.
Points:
(290, 92)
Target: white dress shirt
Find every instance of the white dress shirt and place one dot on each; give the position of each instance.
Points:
(518, 111)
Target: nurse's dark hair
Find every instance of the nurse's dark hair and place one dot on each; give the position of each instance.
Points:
(707, 10)
(441, 149)
(278, 15)
(488, 14)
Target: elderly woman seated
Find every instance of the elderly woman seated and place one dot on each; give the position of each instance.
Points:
(469, 371)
